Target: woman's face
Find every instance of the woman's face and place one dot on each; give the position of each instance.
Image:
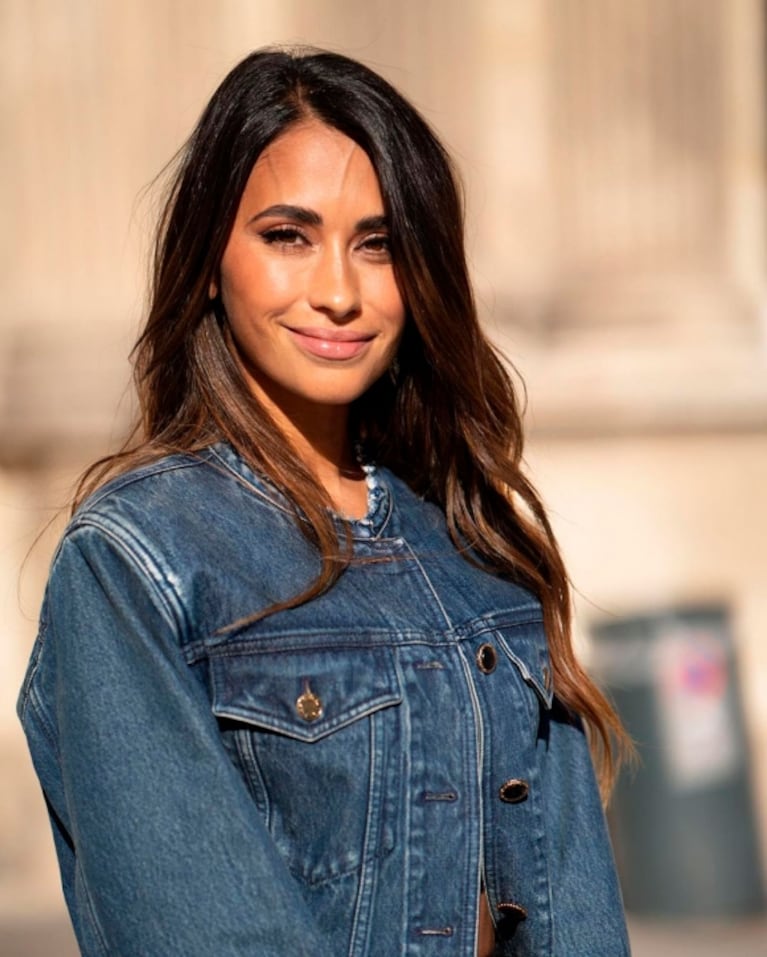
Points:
(306, 279)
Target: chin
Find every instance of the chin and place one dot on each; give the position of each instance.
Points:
(340, 393)
(335, 399)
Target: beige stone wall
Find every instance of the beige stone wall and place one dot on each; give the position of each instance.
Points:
(617, 241)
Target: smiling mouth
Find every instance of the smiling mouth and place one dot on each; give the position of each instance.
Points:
(335, 344)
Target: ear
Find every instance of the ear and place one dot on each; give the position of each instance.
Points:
(213, 289)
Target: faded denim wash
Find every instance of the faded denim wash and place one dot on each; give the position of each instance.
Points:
(336, 780)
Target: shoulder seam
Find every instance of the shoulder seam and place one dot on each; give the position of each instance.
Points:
(167, 464)
(168, 599)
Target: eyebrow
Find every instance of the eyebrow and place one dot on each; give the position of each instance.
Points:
(308, 217)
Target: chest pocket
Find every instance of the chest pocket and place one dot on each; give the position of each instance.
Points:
(315, 733)
(526, 646)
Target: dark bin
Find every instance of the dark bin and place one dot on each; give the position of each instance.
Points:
(683, 821)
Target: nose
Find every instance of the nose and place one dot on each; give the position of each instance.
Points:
(335, 284)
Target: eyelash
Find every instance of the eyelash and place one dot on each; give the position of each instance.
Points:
(292, 236)
(285, 235)
(381, 240)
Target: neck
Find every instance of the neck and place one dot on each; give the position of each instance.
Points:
(320, 437)
(321, 441)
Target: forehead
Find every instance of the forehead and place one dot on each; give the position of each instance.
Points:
(313, 161)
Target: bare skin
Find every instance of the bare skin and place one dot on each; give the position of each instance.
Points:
(308, 285)
(486, 935)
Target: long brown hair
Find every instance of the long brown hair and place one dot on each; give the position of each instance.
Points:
(450, 425)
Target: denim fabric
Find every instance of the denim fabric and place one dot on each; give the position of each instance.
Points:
(327, 781)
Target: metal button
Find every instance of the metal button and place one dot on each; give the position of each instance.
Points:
(516, 912)
(487, 658)
(514, 790)
(308, 705)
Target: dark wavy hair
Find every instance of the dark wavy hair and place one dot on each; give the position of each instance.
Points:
(450, 425)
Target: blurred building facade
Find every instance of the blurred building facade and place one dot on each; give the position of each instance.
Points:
(614, 161)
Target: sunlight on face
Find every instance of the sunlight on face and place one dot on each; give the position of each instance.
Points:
(307, 280)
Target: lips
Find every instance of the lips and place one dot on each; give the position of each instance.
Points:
(334, 344)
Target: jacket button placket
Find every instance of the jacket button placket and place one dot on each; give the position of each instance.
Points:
(445, 804)
(512, 791)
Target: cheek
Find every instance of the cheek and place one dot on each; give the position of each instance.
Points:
(277, 279)
(390, 305)
(257, 282)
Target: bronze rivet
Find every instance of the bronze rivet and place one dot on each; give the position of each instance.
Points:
(514, 790)
(487, 658)
(308, 705)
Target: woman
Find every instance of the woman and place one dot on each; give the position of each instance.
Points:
(284, 701)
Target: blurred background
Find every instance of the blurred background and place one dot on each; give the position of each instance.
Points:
(614, 158)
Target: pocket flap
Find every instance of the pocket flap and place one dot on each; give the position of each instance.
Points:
(303, 693)
(526, 646)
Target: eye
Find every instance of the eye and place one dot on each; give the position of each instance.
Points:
(378, 245)
(284, 236)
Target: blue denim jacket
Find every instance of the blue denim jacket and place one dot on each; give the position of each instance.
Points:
(338, 779)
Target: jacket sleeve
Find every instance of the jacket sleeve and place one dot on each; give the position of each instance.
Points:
(161, 848)
(590, 917)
